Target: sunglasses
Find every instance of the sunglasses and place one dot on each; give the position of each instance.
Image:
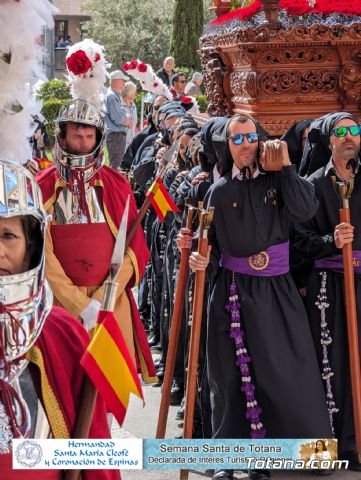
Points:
(239, 137)
(342, 131)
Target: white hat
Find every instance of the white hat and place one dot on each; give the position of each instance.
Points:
(118, 75)
(197, 76)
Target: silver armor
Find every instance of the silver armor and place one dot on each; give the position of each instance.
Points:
(25, 298)
(81, 112)
(67, 207)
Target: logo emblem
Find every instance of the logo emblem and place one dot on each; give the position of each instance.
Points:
(355, 262)
(29, 453)
(259, 261)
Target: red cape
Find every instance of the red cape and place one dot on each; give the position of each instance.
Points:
(114, 189)
(58, 377)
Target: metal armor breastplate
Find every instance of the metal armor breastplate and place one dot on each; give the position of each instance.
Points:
(67, 208)
(38, 422)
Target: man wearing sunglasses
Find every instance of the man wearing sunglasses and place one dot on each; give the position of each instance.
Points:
(262, 367)
(321, 240)
(178, 85)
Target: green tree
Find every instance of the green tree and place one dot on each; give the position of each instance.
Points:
(131, 29)
(187, 28)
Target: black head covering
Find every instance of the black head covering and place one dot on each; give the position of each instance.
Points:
(317, 152)
(293, 138)
(220, 142)
(207, 154)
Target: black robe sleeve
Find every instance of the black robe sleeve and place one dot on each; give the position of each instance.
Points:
(298, 195)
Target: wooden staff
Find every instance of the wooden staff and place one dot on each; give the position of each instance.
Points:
(175, 327)
(344, 190)
(200, 278)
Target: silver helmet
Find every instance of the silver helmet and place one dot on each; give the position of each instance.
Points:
(25, 298)
(80, 112)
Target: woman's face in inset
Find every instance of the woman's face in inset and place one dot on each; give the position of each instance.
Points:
(14, 255)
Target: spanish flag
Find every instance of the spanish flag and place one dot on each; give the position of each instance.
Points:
(162, 202)
(109, 365)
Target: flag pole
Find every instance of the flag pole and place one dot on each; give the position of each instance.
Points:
(344, 190)
(197, 310)
(175, 327)
(89, 392)
(169, 160)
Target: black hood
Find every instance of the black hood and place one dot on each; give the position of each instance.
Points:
(317, 152)
(293, 138)
(220, 143)
(207, 153)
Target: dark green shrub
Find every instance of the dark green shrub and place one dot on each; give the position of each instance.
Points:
(53, 89)
(50, 111)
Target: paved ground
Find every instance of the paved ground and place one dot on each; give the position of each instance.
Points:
(142, 422)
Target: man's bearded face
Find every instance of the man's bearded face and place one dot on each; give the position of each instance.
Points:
(345, 148)
(79, 139)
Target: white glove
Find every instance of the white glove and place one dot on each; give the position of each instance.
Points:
(90, 314)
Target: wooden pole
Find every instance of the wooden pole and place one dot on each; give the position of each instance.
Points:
(344, 190)
(352, 332)
(175, 328)
(197, 311)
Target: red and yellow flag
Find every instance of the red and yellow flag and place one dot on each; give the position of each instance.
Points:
(109, 365)
(162, 202)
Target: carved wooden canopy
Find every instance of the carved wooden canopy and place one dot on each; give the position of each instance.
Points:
(282, 75)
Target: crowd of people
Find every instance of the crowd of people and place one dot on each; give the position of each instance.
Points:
(273, 357)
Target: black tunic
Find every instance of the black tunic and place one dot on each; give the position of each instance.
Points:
(250, 216)
(314, 240)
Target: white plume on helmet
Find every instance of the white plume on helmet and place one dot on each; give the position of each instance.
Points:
(87, 73)
(21, 25)
(144, 73)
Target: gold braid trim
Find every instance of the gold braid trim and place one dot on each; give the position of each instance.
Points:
(143, 367)
(52, 407)
(134, 260)
(52, 199)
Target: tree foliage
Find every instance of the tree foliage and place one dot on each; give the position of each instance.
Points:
(131, 29)
(187, 28)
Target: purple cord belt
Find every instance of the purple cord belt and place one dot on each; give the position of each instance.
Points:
(269, 263)
(335, 262)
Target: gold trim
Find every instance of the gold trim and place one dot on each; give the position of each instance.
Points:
(52, 407)
(134, 261)
(259, 261)
(52, 199)
(143, 367)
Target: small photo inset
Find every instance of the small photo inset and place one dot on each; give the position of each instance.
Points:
(319, 453)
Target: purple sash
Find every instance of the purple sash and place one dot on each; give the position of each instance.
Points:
(273, 261)
(336, 262)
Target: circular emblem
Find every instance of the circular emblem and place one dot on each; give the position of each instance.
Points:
(259, 261)
(28, 453)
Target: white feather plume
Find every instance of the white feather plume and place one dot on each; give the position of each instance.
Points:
(89, 85)
(149, 81)
(21, 26)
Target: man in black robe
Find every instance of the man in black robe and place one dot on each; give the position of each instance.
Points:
(262, 366)
(321, 240)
